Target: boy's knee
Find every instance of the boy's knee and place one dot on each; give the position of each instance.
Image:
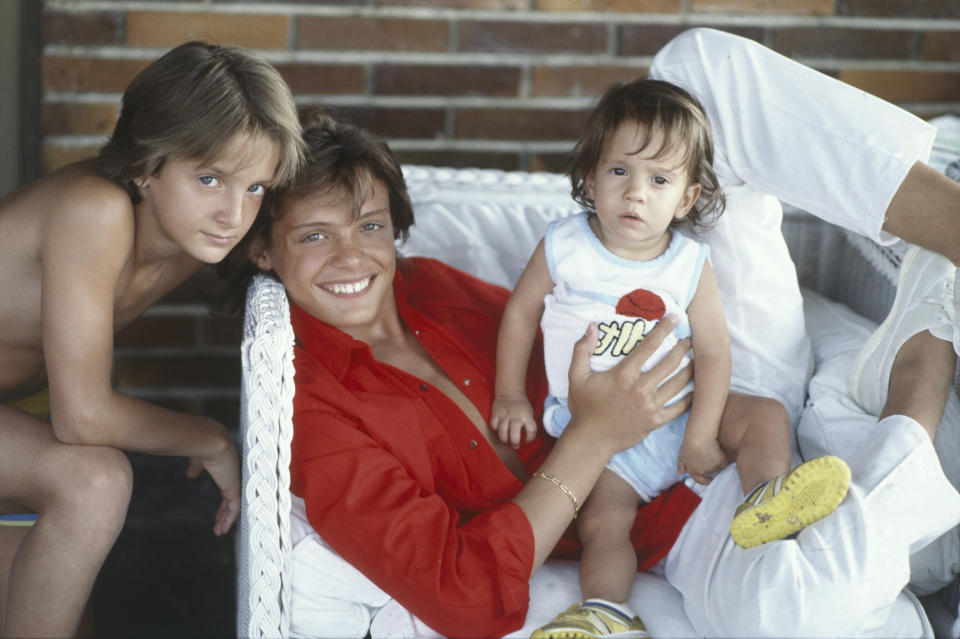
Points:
(96, 478)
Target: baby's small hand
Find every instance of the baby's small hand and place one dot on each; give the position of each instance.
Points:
(702, 459)
(511, 416)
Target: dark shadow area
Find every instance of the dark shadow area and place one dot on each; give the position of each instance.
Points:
(168, 574)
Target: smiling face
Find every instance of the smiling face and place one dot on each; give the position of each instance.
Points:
(205, 208)
(336, 265)
(638, 193)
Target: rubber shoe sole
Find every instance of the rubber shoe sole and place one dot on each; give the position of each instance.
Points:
(808, 493)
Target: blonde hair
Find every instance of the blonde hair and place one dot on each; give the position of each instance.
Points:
(661, 107)
(193, 102)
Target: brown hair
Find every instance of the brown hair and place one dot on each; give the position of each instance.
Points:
(661, 107)
(193, 102)
(341, 159)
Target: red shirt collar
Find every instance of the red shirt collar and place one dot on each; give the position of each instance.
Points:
(331, 346)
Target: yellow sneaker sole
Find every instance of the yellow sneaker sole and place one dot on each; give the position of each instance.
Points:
(809, 493)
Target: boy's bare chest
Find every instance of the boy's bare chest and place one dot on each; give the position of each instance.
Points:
(416, 361)
(138, 289)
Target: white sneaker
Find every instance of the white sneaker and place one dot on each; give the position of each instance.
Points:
(924, 301)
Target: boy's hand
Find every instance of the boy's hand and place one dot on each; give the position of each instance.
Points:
(702, 459)
(511, 416)
(224, 468)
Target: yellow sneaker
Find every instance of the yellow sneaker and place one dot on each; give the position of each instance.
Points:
(590, 620)
(781, 506)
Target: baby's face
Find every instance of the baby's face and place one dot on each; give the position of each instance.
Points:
(639, 192)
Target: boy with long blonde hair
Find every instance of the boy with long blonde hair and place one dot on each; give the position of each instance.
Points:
(203, 132)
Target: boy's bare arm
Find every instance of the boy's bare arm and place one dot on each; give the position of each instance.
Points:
(88, 280)
(711, 375)
(511, 415)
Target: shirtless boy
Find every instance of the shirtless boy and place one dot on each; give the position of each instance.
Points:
(204, 131)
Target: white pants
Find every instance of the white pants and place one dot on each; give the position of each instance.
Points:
(784, 132)
(842, 576)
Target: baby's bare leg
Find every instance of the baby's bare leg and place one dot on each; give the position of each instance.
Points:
(755, 433)
(608, 564)
(920, 380)
(81, 494)
(925, 211)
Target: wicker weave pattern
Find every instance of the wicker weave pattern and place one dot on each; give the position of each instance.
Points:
(263, 557)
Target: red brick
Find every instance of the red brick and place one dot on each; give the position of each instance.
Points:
(647, 6)
(95, 28)
(89, 74)
(579, 81)
(500, 81)
(794, 7)
(159, 331)
(899, 8)
(197, 370)
(399, 123)
(371, 34)
(515, 5)
(647, 39)
(532, 37)
(906, 86)
(941, 45)
(80, 119)
(825, 42)
(519, 124)
(167, 29)
(324, 79)
(54, 156)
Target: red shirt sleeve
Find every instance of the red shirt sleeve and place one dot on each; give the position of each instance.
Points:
(465, 576)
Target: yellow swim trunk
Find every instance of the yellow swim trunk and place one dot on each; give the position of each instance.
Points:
(39, 405)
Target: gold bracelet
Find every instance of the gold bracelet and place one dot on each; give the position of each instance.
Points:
(559, 484)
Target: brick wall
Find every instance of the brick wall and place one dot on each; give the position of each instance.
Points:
(491, 83)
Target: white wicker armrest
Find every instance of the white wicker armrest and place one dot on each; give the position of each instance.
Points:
(263, 547)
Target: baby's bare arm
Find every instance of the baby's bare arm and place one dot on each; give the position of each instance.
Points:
(511, 413)
(701, 454)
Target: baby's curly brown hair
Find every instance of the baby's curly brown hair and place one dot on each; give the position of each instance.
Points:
(661, 107)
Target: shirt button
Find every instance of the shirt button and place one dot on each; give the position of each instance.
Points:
(466, 381)
(472, 444)
(423, 387)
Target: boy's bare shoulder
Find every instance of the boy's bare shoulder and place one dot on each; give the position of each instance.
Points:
(79, 190)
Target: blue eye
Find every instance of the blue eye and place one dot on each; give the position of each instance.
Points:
(208, 180)
(257, 189)
(617, 170)
(312, 237)
(371, 226)
(660, 180)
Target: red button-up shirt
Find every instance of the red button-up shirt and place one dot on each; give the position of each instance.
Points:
(399, 481)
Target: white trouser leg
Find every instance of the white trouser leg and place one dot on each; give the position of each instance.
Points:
(797, 134)
(842, 575)
(784, 132)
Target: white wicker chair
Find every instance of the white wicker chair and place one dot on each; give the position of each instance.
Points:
(832, 262)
